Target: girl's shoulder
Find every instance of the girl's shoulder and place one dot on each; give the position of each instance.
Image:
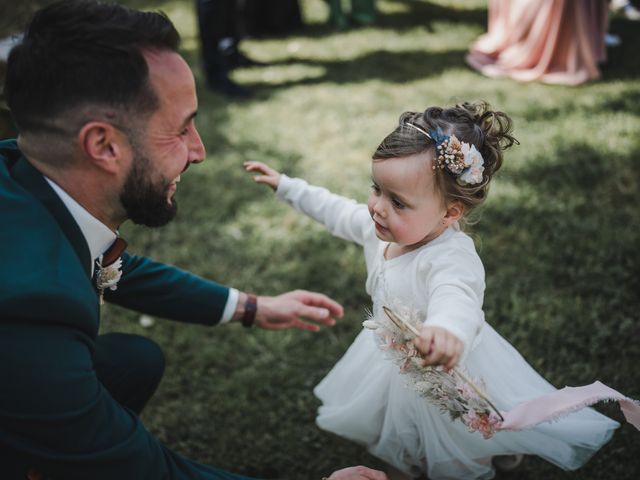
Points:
(453, 249)
(452, 240)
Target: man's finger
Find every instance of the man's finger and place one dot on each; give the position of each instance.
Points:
(320, 300)
(302, 325)
(377, 475)
(318, 314)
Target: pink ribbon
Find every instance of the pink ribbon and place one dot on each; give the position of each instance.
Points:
(565, 401)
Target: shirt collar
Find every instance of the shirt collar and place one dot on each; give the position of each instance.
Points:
(98, 236)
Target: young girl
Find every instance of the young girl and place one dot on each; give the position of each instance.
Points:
(427, 175)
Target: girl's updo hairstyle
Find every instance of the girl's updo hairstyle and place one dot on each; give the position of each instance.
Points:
(474, 123)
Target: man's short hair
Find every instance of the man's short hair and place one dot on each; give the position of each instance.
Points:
(82, 52)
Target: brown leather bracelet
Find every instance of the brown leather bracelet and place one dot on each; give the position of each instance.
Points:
(250, 309)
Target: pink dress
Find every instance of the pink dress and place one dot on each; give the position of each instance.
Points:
(551, 41)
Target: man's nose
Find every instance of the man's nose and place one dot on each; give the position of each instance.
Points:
(197, 151)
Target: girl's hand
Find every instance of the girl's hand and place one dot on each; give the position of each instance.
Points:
(269, 176)
(438, 346)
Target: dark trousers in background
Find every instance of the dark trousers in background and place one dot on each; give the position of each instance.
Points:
(217, 20)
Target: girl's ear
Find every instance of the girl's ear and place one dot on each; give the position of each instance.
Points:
(454, 212)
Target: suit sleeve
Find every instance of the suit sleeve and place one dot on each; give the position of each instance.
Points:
(166, 291)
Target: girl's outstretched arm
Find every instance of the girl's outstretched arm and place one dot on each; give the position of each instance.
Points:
(268, 176)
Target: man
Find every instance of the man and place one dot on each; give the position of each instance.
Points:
(105, 108)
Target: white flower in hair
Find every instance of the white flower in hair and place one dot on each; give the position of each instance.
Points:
(474, 162)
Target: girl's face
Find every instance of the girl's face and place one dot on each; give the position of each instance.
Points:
(404, 203)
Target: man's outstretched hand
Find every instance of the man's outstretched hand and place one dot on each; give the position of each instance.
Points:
(297, 309)
(358, 473)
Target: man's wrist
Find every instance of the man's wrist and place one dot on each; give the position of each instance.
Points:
(250, 309)
(246, 309)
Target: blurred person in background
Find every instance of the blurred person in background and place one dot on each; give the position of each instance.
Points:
(219, 26)
(360, 12)
(550, 41)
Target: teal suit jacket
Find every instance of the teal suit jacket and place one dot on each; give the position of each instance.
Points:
(54, 412)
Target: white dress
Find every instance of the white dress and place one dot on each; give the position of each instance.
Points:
(367, 400)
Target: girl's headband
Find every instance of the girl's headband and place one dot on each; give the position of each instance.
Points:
(459, 159)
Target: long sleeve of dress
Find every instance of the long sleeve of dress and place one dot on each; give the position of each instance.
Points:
(454, 283)
(343, 217)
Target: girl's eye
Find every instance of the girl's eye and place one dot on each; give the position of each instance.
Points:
(375, 188)
(397, 204)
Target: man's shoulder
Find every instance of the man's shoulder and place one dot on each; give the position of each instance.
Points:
(18, 207)
(40, 274)
(30, 239)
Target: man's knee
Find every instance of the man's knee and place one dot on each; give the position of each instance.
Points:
(148, 357)
(126, 355)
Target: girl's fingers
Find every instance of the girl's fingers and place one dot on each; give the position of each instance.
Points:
(451, 352)
(259, 167)
(424, 342)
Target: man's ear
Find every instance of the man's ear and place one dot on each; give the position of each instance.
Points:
(104, 145)
(454, 212)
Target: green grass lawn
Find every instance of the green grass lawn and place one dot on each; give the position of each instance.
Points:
(559, 235)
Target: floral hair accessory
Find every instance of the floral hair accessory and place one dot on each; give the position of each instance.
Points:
(460, 159)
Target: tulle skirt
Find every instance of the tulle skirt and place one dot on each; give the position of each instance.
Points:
(367, 400)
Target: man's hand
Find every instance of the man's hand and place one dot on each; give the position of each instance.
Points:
(288, 309)
(268, 176)
(358, 473)
(438, 347)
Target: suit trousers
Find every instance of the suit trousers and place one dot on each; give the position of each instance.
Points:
(130, 367)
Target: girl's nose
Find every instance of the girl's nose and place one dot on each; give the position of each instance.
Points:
(378, 209)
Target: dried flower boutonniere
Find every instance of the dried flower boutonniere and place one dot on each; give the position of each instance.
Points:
(107, 277)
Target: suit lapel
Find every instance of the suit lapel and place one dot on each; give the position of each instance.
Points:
(31, 179)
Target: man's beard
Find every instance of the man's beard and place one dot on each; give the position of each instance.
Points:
(144, 201)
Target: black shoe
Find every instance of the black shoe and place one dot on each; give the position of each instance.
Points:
(232, 56)
(239, 60)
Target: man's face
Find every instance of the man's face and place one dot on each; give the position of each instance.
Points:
(166, 147)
